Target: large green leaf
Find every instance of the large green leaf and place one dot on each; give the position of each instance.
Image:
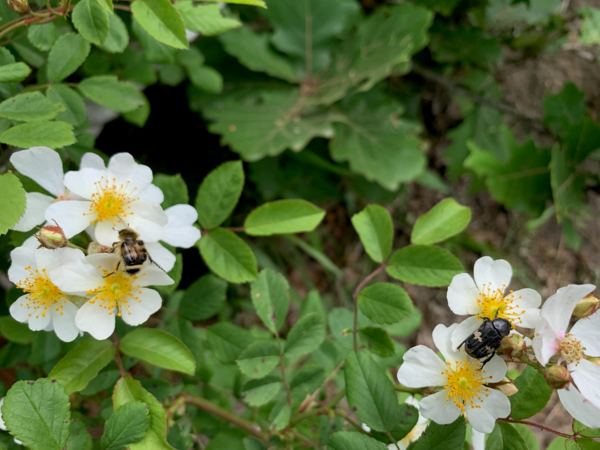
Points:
(219, 193)
(259, 359)
(118, 37)
(42, 36)
(33, 134)
(442, 437)
(265, 123)
(68, 53)
(206, 19)
(159, 348)
(82, 364)
(565, 108)
(15, 72)
(376, 142)
(374, 227)
(253, 51)
(154, 51)
(79, 437)
(532, 395)
(444, 220)
(174, 189)
(91, 20)
(242, 2)
(12, 201)
(204, 298)
(227, 341)
(505, 437)
(29, 107)
(305, 336)
(384, 302)
(108, 91)
(74, 112)
(353, 440)
(283, 217)
(426, 265)
(370, 392)
(161, 20)
(259, 392)
(228, 256)
(377, 341)
(271, 298)
(14, 331)
(38, 413)
(126, 425)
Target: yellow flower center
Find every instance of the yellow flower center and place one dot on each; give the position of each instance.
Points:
(466, 383)
(571, 349)
(111, 200)
(493, 303)
(42, 294)
(118, 290)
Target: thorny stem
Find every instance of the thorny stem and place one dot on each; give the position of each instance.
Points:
(541, 427)
(118, 355)
(314, 412)
(306, 403)
(355, 296)
(282, 368)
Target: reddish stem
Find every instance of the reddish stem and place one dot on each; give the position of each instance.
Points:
(355, 296)
(541, 427)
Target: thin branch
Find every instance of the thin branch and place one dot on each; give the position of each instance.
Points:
(323, 410)
(355, 296)
(122, 7)
(118, 355)
(341, 413)
(402, 388)
(306, 403)
(239, 229)
(541, 427)
(282, 368)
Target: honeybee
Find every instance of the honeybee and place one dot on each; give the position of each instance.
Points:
(133, 253)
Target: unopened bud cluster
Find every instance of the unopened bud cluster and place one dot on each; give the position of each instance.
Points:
(52, 237)
(18, 6)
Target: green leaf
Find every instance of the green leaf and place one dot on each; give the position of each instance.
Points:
(280, 415)
(140, 115)
(82, 364)
(227, 341)
(14, 331)
(374, 227)
(42, 36)
(108, 91)
(505, 437)
(126, 425)
(271, 298)
(253, 51)
(74, 112)
(29, 107)
(306, 380)
(68, 53)
(370, 392)
(283, 217)
(207, 79)
(565, 108)
(153, 50)
(228, 256)
(532, 395)
(33, 134)
(161, 20)
(260, 3)
(384, 302)
(79, 437)
(38, 413)
(425, 265)
(469, 44)
(305, 337)
(159, 348)
(444, 220)
(219, 193)
(206, 19)
(442, 437)
(585, 430)
(353, 440)
(129, 390)
(406, 326)
(174, 189)
(204, 298)
(259, 392)
(108, 5)
(13, 73)
(91, 20)
(589, 34)
(259, 359)
(377, 341)
(582, 444)
(12, 201)
(376, 142)
(117, 39)
(263, 123)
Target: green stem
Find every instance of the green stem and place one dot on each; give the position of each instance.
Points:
(313, 412)
(70, 244)
(282, 368)
(403, 388)
(355, 296)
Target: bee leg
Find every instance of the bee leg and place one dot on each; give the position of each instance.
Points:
(114, 247)
(108, 275)
(154, 262)
(112, 273)
(462, 343)
(488, 359)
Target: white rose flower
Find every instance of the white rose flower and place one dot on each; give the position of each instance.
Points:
(464, 383)
(111, 293)
(44, 305)
(486, 297)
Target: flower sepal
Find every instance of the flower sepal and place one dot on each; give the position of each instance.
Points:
(52, 237)
(513, 345)
(558, 376)
(586, 307)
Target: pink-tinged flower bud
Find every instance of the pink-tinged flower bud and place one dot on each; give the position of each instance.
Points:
(586, 307)
(96, 247)
(507, 389)
(558, 377)
(18, 6)
(52, 237)
(513, 345)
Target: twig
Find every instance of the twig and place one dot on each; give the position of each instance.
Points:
(355, 296)
(282, 368)
(306, 403)
(541, 427)
(240, 229)
(118, 355)
(314, 412)
(402, 388)
(341, 413)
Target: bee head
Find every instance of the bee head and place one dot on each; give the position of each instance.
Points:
(127, 234)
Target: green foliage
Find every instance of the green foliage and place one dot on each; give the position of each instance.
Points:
(270, 297)
(353, 440)
(444, 220)
(68, 53)
(206, 19)
(204, 298)
(12, 202)
(161, 20)
(74, 107)
(126, 425)
(259, 359)
(111, 93)
(532, 395)
(305, 336)
(228, 256)
(91, 20)
(377, 341)
(374, 226)
(259, 392)
(505, 436)
(438, 437)
(13, 73)
(228, 341)
(29, 107)
(50, 134)
(384, 303)
(425, 265)
(283, 217)
(14, 331)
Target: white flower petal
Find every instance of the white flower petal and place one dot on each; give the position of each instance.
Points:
(496, 369)
(64, 324)
(35, 213)
(138, 311)
(436, 408)
(588, 332)
(148, 219)
(161, 255)
(464, 330)
(586, 376)
(82, 182)
(478, 440)
(19, 311)
(47, 259)
(492, 274)
(179, 231)
(107, 232)
(105, 262)
(462, 295)
(92, 161)
(544, 343)
(579, 407)
(38, 320)
(96, 320)
(42, 165)
(76, 278)
(152, 275)
(2, 426)
(152, 194)
(21, 257)
(558, 308)
(527, 300)
(71, 215)
(442, 337)
(123, 168)
(421, 368)
(493, 406)
(50, 326)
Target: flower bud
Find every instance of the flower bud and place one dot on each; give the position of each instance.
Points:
(593, 359)
(96, 247)
(507, 389)
(52, 237)
(18, 6)
(586, 307)
(558, 377)
(513, 345)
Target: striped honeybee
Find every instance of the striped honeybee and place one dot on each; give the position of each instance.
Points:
(132, 251)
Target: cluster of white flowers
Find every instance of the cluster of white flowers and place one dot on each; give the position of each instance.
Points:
(465, 387)
(69, 292)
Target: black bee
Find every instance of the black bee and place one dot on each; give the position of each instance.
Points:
(132, 251)
(486, 339)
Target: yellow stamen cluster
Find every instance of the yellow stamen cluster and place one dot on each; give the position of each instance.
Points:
(118, 290)
(466, 383)
(493, 303)
(571, 349)
(42, 294)
(111, 200)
